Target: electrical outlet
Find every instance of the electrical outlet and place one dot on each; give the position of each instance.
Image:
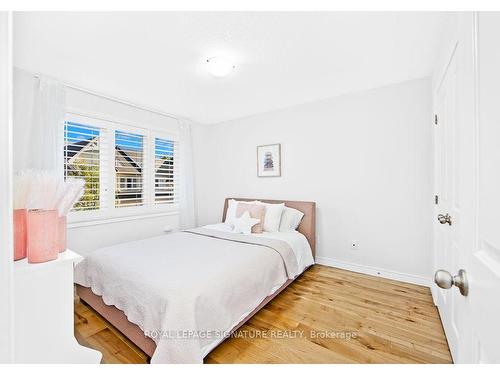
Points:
(354, 245)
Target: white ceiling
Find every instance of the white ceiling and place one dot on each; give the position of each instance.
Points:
(283, 59)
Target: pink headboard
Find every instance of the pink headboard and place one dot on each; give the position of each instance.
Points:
(308, 224)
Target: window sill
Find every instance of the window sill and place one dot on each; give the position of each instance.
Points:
(77, 223)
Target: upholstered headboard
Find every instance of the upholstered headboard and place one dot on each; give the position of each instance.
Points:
(308, 224)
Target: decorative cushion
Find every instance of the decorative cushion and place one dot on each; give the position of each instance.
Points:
(244, 224)
(290, 219)
(272, 218)
(256, 211)
(231, 209)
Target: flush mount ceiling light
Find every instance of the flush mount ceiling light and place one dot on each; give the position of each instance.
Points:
(219, 66)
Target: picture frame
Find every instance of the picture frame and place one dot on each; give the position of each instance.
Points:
(269, 160)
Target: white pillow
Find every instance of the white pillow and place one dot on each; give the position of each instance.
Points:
(290, 219)
(273, 216)
(244, 223)
(231, 209)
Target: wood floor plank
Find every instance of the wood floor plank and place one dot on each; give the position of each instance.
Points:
(88, 326)
(360, 305)
(113, 349)
(369, 319)
(87, 323)
(375, 313)
(330, 316)
(336, 322)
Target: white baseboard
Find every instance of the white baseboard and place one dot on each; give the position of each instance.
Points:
(434, 291)
(373, 271)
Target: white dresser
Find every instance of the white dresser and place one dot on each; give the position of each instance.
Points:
(43, 313)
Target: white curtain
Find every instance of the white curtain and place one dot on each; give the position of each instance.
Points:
(186, 179)
(47, 121)
(41, 133)
(24, 86)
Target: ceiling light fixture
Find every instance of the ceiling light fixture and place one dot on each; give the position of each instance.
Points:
(219, 66)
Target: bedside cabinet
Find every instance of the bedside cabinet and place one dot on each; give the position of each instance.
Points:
(43, 313)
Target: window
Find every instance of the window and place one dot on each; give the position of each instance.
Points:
(126, 183)
(127, 170)
(123, 183)
(129, 164)
(82, 160)
(164, 171)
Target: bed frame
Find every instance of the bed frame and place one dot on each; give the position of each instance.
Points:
(119, 320)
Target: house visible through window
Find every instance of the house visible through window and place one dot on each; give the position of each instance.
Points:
(164, 171)
(129, 162)
(141, 172)
(82, 160)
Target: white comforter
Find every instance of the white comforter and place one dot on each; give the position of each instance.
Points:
(186, 291)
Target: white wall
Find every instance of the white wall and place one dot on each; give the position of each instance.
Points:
(365, 158)
(86, 238)
(6, 251)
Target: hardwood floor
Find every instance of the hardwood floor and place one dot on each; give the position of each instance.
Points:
(343, 317)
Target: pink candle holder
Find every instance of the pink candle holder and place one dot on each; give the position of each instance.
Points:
(42, 239)
(20, 233)
(61, 233)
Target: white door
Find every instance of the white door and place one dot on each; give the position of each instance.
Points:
(448, 208)
(468, 182)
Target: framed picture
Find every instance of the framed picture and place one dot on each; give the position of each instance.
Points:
(269, 160)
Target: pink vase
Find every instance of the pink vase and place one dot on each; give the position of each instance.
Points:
(20, 233)
(61, 233)
(42, 236)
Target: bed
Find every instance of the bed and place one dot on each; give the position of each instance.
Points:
(180, 295)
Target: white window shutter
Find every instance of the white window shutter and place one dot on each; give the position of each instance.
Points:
(123, 166)
(164, 171)
(129, 164)
(82, 159)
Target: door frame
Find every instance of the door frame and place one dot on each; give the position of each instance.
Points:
(6, 231)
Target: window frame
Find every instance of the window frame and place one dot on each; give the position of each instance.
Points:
(108, 211)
